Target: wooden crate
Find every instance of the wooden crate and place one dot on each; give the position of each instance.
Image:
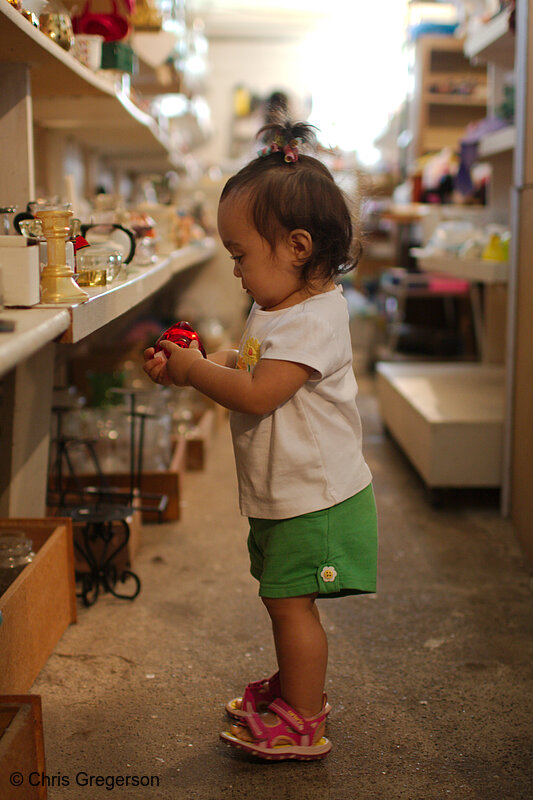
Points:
(22, 747)
(197, 441)
(40, 603)
(156, 481)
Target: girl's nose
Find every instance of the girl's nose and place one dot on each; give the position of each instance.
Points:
(236, 270)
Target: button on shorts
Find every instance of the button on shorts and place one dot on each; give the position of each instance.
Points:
(331, 552)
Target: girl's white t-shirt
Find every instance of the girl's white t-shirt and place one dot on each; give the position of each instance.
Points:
(306, 454)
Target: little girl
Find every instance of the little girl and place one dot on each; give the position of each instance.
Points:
(303, 481)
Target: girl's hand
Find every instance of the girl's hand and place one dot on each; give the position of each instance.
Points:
(155, 366)
(179, 361)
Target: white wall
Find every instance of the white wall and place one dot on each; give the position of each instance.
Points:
(261, 65)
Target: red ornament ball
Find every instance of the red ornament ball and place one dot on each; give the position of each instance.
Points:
(183, 335)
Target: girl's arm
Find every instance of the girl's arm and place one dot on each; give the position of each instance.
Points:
(259, 392)
(226, 358)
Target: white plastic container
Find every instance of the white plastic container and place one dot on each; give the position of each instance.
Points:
(20, 271)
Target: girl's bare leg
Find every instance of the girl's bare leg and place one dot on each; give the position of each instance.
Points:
(302, 653)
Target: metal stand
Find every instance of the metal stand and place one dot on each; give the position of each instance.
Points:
(100, 520)
(101, 524)
(136, 457)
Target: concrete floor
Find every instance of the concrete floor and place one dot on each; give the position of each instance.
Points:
(430, 680)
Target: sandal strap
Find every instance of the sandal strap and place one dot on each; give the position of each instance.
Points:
(301, 724)
(265, 690)
(291, 724)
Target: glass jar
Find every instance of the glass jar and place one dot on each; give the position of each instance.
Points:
(100, 256)
(16, 551)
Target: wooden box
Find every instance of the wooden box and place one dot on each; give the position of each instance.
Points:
(197, 441)
(40, 603)
(21, 747)
(154, 482)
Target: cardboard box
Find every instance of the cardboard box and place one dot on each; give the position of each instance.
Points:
(21, 746)
(40, 603)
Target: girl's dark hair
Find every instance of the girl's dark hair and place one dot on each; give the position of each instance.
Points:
(285, 195)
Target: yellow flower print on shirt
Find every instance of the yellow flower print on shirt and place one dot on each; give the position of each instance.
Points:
(250, 354)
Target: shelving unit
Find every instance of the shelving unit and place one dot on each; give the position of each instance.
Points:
(67, 95)
(438, 116)
(46, 92)
(71, 323)
(450, 418)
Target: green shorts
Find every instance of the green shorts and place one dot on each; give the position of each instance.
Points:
(331, 552)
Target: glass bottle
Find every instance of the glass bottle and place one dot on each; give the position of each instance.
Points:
(16, 551)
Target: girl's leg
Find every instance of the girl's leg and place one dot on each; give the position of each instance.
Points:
(302, 654)
(301, 649)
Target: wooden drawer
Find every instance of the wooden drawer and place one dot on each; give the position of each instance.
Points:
(40, 603)
(21, 747)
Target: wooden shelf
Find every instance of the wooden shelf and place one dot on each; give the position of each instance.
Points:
(35, 327)
(442, 99)
(77, 93)
(436, 119)
(493, 42)
(494, 144)
(448, 419)
(469, 269)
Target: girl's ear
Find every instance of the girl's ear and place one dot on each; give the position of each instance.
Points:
(301, 244)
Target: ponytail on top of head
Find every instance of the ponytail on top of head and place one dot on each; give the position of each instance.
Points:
(287, 189)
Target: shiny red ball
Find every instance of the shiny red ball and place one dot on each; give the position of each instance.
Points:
(181, 334)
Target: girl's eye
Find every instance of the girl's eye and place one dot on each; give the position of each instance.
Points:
(238, 259)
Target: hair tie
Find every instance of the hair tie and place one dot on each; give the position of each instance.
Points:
(281, 145)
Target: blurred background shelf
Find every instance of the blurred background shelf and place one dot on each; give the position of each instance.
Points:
(448, 419)
(494, 41)
(469, 269)
(494, 144)
(68, 96)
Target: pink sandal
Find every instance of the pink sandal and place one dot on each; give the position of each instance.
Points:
(257, 697)
(300, 731)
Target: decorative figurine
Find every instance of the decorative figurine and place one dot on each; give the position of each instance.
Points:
(183, 335)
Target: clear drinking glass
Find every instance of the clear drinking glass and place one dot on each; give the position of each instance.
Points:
(16, 551)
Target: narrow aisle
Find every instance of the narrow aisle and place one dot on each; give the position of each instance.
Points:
(430, 680)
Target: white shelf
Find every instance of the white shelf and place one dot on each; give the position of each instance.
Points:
(108, 303)
(494, 144)
(85, 100)
(448, 419)
(493, 42)
(34, 328)
(469, 269)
